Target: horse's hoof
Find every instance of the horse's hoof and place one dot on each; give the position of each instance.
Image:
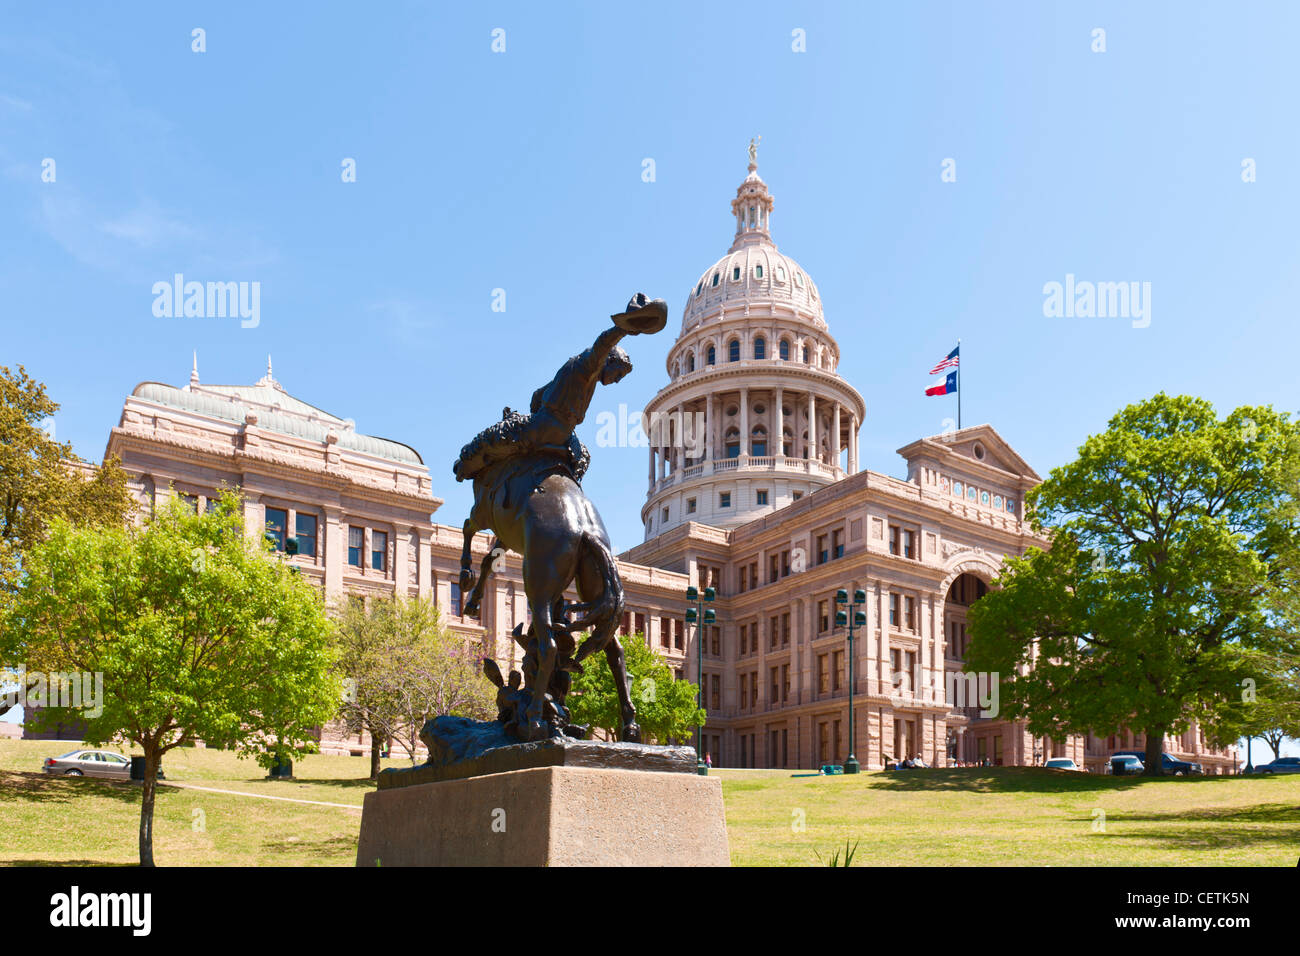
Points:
(631, 734)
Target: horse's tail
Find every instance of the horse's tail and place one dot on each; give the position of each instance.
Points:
(610, 602)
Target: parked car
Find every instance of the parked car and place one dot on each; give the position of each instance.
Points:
(1062, 763)
(1167, 763)
(1280, 765)
(90, 763)
(1125, 765)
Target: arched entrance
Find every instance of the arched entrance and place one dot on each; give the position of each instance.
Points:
(971, 739)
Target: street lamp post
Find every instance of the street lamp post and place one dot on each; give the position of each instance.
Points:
(851, 618)
(699, 615)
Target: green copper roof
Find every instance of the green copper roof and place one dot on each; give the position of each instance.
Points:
(232, 411)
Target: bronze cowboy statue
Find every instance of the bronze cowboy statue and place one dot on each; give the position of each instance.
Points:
(527, 472)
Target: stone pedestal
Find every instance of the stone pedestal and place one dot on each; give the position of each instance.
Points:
(548, 816)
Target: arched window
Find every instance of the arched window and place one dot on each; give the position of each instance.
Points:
(690, 361)
(787, 443)
(699, 288)
(715, 279)
(735, 273)
(760, 348)
(732, 442)
(758, 441)
(805, 356)
(733, 350)
(784, 350)
(758, 272)
(712, 356)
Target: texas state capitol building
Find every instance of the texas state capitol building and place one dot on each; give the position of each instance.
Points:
(768, 505)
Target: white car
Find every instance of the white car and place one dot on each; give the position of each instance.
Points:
(1061, 763)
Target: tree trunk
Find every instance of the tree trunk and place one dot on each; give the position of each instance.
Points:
(374, 754)
(147, 793)
(1155, 744)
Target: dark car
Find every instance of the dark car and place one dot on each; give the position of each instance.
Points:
(1280, 765)
(1168, 764)
(1125, 765)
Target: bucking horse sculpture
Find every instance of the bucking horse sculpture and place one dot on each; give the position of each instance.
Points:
(527, 472)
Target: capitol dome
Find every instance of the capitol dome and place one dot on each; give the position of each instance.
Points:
(754, 361)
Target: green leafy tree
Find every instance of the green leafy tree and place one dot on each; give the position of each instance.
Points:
(401, 667)
(1153, 600)
(41, 479)
(665, 706)
(197, 630)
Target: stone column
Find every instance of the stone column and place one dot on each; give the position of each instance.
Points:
(335, 552)
(744, 423)
(853, 443)
(399, 561)
(835, 436)
(778, 422)
(651, 442)
(254, 517)
(710, 448)
(679, 440)
(424, 579)
(812, 426)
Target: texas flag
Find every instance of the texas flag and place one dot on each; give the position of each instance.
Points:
(944, 386)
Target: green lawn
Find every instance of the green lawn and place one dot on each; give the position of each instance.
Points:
(930, 818)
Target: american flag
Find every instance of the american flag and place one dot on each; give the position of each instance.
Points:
(950, 361)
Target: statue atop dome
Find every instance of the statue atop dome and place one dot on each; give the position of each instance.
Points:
(753, 151)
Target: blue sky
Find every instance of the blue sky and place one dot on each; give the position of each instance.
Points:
(522, 171)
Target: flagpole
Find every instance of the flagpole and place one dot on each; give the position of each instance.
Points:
(959, 385)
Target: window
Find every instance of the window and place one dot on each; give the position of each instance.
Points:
(356, 544)
(893, 539)
(837, 543)
(690, 362)
(909, 608)
(785, 563)
(724, 499)
(715, 280)
(690, 506)
(191, 501)
(893, 610)
(784, 350)
(735, 273)
(699, 288)
(773, 635)
(712, 356)
(733, 350)
(379, 550)
(773, 570)
(716, 696)
(823, 617)
(455, 599)
(909, 549)
(276, 521)
(823, 677)
(837, 669)
(780, 273)
(785, 634)
(665, 514)
(796, 496)
(758, 443)
(805, 355)
(760, 348)
(304, 528)
(822, 555)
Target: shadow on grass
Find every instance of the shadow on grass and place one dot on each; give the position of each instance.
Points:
(63, 863)
(1263, 826)
(47, 788)
(328, 845)
(1022, 780)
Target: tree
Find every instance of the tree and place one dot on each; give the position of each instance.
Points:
(41, 479)
(665, 706)
(197, 630)
(402, 667)
(1151, 606)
